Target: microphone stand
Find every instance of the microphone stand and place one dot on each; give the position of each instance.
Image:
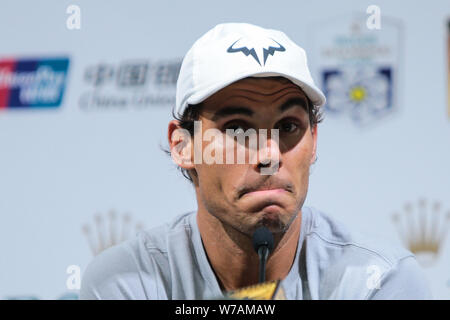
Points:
(263, 253)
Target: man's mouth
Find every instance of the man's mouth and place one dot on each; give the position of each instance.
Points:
(271, 190)
(266, 192)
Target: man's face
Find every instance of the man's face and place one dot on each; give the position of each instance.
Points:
(238, 194)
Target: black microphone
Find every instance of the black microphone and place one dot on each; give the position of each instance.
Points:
(263, 244)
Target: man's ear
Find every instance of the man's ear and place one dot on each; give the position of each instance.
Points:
(314, 136)
(180, 144)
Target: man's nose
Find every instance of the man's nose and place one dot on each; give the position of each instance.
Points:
(269, 155)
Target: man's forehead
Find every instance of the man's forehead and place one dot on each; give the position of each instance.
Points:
(262, 97)
(256, 89)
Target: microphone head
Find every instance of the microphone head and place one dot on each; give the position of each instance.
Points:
(262, 237)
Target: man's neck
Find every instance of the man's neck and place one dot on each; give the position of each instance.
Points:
(233, 259)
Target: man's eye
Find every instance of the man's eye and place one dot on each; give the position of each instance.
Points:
(288, 127)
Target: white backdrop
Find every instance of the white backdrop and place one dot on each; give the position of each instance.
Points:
(60, 167)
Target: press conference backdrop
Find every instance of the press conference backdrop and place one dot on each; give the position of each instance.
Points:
(86, 90)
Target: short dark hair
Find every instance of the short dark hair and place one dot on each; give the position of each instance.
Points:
(192, 113)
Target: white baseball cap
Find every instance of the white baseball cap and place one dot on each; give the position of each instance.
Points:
(232, 51)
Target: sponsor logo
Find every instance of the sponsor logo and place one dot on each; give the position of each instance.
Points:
(109, 230)
(247, 47)
(358, 67)
(363, 94)
(423, 227)
(132, 84)
(32, 83)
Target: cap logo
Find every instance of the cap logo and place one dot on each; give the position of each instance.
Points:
(267, 46)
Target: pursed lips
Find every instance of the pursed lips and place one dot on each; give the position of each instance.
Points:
(267, 198)
(265, 191)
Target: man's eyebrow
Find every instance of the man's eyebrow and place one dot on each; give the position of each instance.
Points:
(294, 102)
(232, 110)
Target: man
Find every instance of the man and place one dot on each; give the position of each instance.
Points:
(237, 78)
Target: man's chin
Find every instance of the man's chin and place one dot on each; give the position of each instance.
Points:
(276, 218)
(273, 218)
